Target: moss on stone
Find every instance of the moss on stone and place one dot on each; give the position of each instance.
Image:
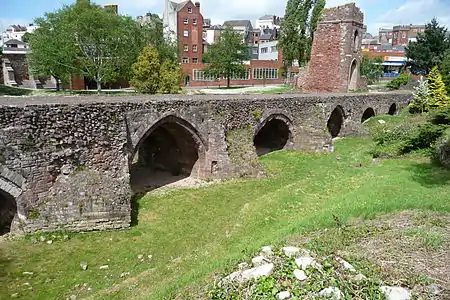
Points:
(240, 147)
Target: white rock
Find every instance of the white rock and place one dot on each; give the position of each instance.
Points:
(50, 242)
(104, 267)
(84, 266)
(73, 297)
(331, 292)
(395, 293)
(359, 277)
(42, 238)
(381, 121)
(253, 273)
(290, 251)
(259, 261)
(140, 256)
(300, 275)
(284, 295)
(243, 266)
(235, 276)
(346, 264)
(27, 273)
(124, 274)
(267, 250)
(305, 261)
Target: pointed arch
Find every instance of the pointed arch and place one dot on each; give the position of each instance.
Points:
(274, 133)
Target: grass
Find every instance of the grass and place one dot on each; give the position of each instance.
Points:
(192, 233)
(275, 90)
(13, 91)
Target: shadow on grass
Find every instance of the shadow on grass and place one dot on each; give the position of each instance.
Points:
(135, 208)
(430, 174)
(13, 91)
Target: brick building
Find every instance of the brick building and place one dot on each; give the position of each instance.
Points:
(400, 35)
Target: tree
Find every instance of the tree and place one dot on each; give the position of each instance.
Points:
(297, 30)
(428, 51)
(107, 44)
(445, 70)
(420, 101)
(227, 56)
(52, 52)
(437, 93)
(170, 79)
(153, 30)
(146, 71)
(371, 68)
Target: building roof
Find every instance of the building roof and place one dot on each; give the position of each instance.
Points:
(18, 28)
(267, 17)
(178, 6)
(266, 36)
(216, 27)
(234, 23)
(14, 41)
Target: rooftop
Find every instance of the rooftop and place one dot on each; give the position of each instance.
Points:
(237, 23)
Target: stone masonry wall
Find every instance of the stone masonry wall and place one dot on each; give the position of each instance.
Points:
(69, 157)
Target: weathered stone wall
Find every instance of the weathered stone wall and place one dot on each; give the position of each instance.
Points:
(336, 52)
(66, 160)
(19, 64)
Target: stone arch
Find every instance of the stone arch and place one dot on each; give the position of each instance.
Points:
(170, 150)
(10, 190)
(353, 76)
(392, 109)
(368, 113)
(336, 121)
(274, 133)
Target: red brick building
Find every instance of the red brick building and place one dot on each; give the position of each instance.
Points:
(190, 32)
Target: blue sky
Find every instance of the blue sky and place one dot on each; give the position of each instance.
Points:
(378, 13)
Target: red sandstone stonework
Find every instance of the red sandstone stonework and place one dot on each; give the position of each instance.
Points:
(336, 52)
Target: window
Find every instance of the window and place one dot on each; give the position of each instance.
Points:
(186, 21)
(195, 60)
(273, 49)
(199, 75)
(194, 48)
(185, 60)
(186, 48)
(267, 73)
(186, 33)
(240, 76)
(255, 51)
(190, 10)
(264, 50)
(194, 21)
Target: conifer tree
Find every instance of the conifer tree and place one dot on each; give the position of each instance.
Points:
(420, 102)
(170, 77)
(436, 86)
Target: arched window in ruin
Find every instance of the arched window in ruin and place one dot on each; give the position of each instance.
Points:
(170, 151)
(8, 209)
(392, 109)
(274, 135)
(368, 113)
(356, 41)
(336, 121)
(353, 76)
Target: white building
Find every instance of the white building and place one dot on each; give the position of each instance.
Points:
(242, 26)
(268, 21)
(15, 32)
(170, 18)
(268, 51)
(213, 34)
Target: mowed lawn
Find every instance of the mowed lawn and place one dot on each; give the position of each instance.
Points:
(192, 233)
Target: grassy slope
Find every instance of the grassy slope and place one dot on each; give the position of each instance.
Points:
(13, 91)
(192, 233)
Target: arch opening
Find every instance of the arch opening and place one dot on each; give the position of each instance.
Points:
(169, 153)
(353, 76)
(393, 109)
(8, 209)
(335, 121)
(368, 113)
(273, 136)
(356, 41)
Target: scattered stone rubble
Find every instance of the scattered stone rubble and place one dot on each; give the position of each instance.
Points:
(307, 271)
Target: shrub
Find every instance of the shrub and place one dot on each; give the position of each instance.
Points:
(423, 137)
(420, 101)
(403, 79)
(145, 72)
(442, 149)
(436, 89)
(171, 76)
(440, 116)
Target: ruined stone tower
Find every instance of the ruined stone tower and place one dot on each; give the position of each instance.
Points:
(336, 52)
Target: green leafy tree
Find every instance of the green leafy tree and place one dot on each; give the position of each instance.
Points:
(428, 51)
(297, 30)
(436, 86)
(52, 50)
(445, 70)
(146, 71)
(227, 56)
(371, 68)
(26, 37)
(106, 51)
(171, 75)
(420, 101)
(153, 30)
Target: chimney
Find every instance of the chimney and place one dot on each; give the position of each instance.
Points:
(197, 4)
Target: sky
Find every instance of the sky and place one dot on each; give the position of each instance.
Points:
(377, 13)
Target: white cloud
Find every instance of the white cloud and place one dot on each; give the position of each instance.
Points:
(415, 12)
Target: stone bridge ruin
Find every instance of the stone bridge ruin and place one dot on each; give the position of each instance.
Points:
(73, 163)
